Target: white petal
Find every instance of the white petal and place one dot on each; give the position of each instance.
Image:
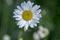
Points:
(37, 11)
(17, 12)
(35, 7)
(26, 26)
(19, 8)
(24, 6)
(37, 21)
(35, 24)
(32, 24)
(29, 4)
(18, 18)
(20, 22)
(40, 15)
(22, 25)
(36, 17)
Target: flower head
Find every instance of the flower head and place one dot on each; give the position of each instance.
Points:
(6, 37)
(20, 39)
(36, 36)
(27, 15)
(43, 32)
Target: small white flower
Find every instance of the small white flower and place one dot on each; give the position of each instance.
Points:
(9, 2)
(36, 36)
(6, 37)
(43, 32)
(27, 15)
(20, 39)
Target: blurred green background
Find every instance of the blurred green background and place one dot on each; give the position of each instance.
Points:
(50, 19)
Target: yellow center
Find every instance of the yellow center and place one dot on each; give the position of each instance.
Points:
(43, 31)
(27, 15)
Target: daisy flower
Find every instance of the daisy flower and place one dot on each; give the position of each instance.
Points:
(36, 36)
(6, 37)
(27, 15)
(43, 32)
(20, 39)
